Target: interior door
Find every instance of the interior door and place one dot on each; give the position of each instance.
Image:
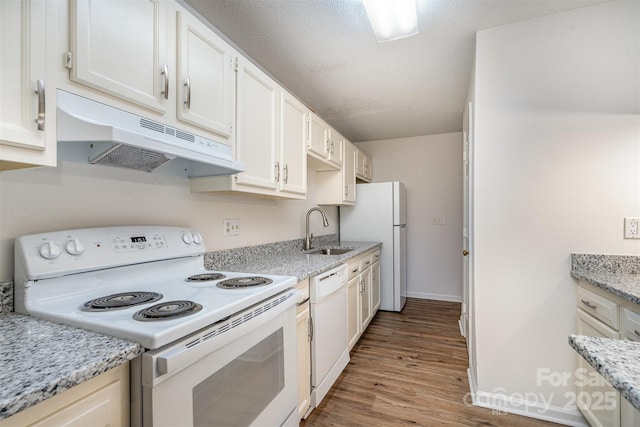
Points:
(467, 314)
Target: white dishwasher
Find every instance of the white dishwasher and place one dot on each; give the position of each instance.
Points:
(329, 343)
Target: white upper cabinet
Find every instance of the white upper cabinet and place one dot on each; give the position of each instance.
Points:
(205, 77)
(363, 166)
(27, 103)
(119, 48)
(270, 141)
(293, 135)
(257, 135)
(339, 187)
(323, 146)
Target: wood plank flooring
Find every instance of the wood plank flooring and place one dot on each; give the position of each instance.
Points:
(409, 368)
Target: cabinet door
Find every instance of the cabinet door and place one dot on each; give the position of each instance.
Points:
(596, 399)
(293, 134)
(23, 31)
(257, 137)
(365, 298)
(334, 150)
(353, 310)
(118, 47)
(304, 358)
(319, 137)
(205, 79)
(349, 172)
(375, 287)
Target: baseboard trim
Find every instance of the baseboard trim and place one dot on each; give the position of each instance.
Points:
(437, 297)
(501, 403)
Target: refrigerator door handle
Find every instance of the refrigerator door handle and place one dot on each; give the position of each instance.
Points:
(401, 225)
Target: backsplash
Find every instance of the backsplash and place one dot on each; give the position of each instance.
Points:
(592, 263)
(6, 296)
(241, 255)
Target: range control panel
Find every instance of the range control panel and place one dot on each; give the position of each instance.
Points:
(65, 252)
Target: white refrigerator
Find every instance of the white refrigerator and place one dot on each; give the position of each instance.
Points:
(380, 216)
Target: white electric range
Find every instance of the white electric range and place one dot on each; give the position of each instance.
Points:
(202, 330)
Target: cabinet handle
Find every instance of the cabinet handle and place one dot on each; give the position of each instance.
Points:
(332, 147)
(187, 101)
(286, 174)
(41, 104)
(277, 171)
(588, 304)
(310, 329)
(165, 74)
(346, 190)
(328, 145)
(635, 331)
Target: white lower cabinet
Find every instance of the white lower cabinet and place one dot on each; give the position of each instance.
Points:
(363, 293)
(601, 314)
(100, 402)
(303, 339)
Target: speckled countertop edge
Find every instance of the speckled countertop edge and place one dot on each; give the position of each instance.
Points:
(616, 360)
(40, 359)
(286, 260)
(6, 296)
(617, 274)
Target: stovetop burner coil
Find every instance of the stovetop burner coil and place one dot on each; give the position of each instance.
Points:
(244, 282)
(205, 277)
(167, 311)
(121, 300)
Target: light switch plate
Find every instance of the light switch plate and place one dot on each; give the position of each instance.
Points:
(632, 228)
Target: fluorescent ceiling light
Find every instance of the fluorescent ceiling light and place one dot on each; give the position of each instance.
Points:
(392, 19)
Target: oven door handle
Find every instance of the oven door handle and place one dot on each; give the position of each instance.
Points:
(194, 348)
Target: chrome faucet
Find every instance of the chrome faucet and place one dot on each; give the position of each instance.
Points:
(308, 237)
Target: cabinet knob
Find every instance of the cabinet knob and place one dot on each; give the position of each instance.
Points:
(465, 252)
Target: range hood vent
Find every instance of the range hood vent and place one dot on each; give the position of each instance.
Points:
(135, 142)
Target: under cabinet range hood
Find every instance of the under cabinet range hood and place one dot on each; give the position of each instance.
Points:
(121, 139)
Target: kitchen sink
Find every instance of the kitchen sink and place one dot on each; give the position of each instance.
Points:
(331, 251)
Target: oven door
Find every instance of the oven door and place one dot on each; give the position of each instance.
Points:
(239, 372)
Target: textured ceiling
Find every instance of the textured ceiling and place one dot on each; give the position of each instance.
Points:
(325, 52)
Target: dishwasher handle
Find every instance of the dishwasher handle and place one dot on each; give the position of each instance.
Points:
(327, 283)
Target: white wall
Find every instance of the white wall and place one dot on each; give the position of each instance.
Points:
(431, 169)
(75, 195)
(557, 167)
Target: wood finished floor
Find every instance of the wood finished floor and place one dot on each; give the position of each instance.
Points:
(409, 368)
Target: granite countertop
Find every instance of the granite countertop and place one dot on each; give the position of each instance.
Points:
(616, 360)
(283, 259)
(617, 274)
(40, 359)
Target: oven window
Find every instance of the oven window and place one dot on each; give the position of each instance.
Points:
(237, 393)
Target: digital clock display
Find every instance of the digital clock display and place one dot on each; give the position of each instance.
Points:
(140, 239)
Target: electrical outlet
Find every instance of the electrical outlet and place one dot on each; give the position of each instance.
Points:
(632, 228)
(231, 227)
(437, 220)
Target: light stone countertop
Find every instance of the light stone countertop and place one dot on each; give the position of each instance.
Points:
(39, 359)
(618, 361)
(284, 259)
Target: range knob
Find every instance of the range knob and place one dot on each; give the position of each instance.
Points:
(74, 247)
(50, 250)
(186, 237)
(197, 238)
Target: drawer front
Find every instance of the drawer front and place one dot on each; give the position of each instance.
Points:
(375, 256)
(303, 287)
(365, 262)
(599, 307)
(629, 325)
